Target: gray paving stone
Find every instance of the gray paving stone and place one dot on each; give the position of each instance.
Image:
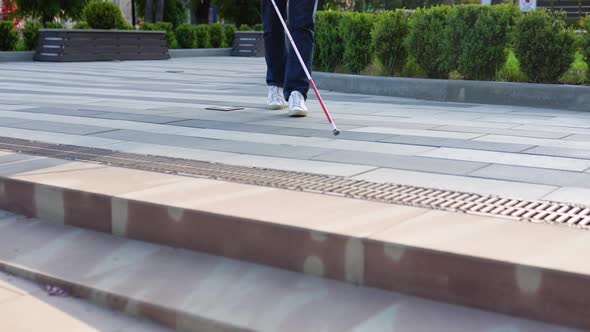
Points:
(457, 143)
(534, 175)
(294, 123)
(9, 157)
(578, 137)
(573, 195)
(411, 163)
(208, 124)
(9, 121)
(499, 131)
(296, 152)
(560, 152)
(458, 183)
(560, 129)
(548, 142)
(568, 164)
(345, 135)
(60, 111)
(30, 165)
(57, 138)
(57, 127)
(135, 117)
(417, 132)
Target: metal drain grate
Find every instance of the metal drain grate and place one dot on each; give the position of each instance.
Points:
(517, 209)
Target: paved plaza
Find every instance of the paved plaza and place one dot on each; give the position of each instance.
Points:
(116, 228)
(159, 108)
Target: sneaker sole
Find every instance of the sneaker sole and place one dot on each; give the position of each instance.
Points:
(298, 113)
(275, 107)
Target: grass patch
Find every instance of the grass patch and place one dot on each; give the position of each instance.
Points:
(578, 72)
(20, 45)
(510, 71)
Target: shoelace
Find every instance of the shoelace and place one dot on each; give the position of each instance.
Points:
(296, 99)
(273, 95)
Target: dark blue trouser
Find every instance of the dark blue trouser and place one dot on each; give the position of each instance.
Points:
(283, 68)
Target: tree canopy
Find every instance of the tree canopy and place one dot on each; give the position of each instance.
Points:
(48, 9)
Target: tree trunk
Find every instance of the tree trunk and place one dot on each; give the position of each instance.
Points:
(149, 11)
(202, 11)
(160, 10)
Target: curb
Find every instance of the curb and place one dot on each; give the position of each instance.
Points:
(16, 56)
(507, 287)
(570, 97)
(199, 52)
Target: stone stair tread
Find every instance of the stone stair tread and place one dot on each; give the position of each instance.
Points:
(192, 291)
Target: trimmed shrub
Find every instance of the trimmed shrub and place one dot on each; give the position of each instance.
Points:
(478, 37)
(103, 15)
(202, 34)
(427, 41)
(328, 43)
(584, 40)
(215, 35)
(82, 25)
(186, 37)
(544, 47)
(245, 27)
(258, 27)
(169, 28)
(148, 27)
(355, 31)
(8, 36)
(389, 34)
(54, 25)
(126, 26)
(31, 34)
(228, 32)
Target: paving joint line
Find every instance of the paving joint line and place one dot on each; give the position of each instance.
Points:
(545, 212)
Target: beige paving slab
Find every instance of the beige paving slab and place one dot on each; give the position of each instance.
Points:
(94, 178)
(314, 211)
(538, 245)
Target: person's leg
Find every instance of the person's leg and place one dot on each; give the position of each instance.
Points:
(301, 26)
(275, 51)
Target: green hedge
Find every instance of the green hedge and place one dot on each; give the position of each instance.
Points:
(82, 25)
(544, 47)
(31, 34)
(186, 37)
(478, 37)
(215, 35)
(202, 33)
(328, 42)
(228, 32)
(8, 36)
(389, 34)
(469, 41)
(355, 30)
(427, 41)
(169, 28)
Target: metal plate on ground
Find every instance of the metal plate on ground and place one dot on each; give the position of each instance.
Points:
(224, 108)
(500, 207)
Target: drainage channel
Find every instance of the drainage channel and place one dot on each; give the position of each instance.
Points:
(509, 208)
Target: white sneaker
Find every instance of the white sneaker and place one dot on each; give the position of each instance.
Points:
(275, 100)
(297, 106)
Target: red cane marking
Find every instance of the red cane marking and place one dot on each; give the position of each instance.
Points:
(317, 93)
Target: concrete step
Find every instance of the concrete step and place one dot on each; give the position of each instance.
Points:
(190, 291)
(527, 270)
